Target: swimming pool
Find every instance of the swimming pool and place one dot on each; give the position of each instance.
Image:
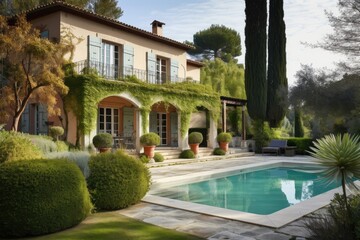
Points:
(270, 194)
(261, 191)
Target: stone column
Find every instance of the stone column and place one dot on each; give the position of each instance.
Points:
(139, 130)
(212, 133)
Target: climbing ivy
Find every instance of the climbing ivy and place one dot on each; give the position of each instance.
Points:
(86, 91)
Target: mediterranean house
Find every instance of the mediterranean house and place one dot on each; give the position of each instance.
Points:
(126, 81)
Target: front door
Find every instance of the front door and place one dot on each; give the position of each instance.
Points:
(158, 124)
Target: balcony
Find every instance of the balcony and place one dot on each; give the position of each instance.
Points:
(114, 72)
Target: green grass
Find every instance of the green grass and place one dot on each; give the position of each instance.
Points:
(112, 225)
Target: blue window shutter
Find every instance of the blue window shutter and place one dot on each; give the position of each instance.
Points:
(174, 70)
(151, 67)
(128, 59)
(94, 49)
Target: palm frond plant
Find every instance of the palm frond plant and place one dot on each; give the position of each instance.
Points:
(340, 157)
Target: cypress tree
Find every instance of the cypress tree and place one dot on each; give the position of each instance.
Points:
(277, 88)
(299, 128)
(255, 58)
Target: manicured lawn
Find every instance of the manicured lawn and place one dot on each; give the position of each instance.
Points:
(111, 225)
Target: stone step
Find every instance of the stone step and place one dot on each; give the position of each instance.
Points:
(170, 162)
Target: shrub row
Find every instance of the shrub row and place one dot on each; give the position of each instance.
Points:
(302, 144)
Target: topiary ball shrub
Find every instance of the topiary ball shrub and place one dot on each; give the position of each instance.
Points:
(158, 157)
(224, 137)
(117, 180)
(41, 196)
(219, 151)
(150, 139)
(56, 132)
(103, 140)
(14, 146)
(187, 154)
(195, 137)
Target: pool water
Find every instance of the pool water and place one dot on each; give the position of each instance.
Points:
(260, 192)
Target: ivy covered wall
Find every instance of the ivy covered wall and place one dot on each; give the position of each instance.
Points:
(86, 91)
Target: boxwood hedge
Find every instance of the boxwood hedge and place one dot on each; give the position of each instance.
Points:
(117, 180)
(41, 196)
(302, 144)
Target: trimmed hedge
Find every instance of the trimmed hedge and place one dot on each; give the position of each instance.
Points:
(150, 139)
(14, 146)
(219, 151)
(103, 140)
(117, 180)
(195, 137)
(302, 144)
(158, 157)
(41, 196)
(187, 154)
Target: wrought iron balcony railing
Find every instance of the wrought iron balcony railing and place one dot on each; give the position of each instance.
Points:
(116, 72)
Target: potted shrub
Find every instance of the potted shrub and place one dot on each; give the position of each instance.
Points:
(223, 140)
(103, 142)
(195, 138)
(149, 142)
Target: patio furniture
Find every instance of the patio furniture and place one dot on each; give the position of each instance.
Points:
(275, 146)
(129, 141)
(118, 141)
(290, 151)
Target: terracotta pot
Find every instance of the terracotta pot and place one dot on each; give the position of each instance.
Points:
(149, 151)
(103, 150)
(224, 146)
(194, 147)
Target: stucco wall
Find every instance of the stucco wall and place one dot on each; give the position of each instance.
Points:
(82, 28)
(198, 120)
(193, 72)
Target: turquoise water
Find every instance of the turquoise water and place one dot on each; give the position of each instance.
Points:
(260, 192)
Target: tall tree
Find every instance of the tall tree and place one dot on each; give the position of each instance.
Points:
(277, 85)
(225, 78)
(345, 38)
(108, 8)
(298, 124)
(255, 58)
(217, 41)
(33, 69)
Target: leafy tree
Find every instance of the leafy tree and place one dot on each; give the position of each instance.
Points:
(108, 8)
(345, 38)
(255, 58)
(225, 78)
(277, 86)
(217, 41)
(331, 103)
(32, 69)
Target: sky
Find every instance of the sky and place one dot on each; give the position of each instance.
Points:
(305, 21)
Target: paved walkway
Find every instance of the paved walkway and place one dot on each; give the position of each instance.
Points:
(209, 227)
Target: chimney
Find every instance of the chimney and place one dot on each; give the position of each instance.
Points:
(157, 27)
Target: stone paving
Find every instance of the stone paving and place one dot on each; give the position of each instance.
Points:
(209, 227)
